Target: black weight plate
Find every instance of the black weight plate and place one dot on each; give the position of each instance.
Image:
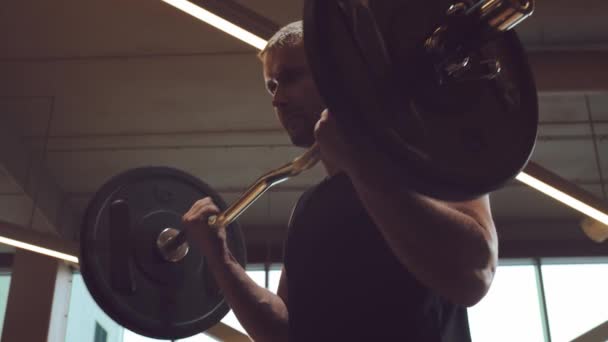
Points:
(121, 265)
(452, 142)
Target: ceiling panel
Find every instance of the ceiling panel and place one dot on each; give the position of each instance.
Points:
(595, 190)
(571, 159)
(222, 168)
(599, 106)
(6, 249)
(71, 28)
(564, 131)
(149, 95)
(17, 209)
(603, 153)
(562, 107)
(24, 169)
(166, 140)
(564, 24)
(527, 230)
(63, 28)
(601, 130)
(557, 22)
(530, 32)
(524, 203)
(29, 114)
(280, 12)
(8, 184)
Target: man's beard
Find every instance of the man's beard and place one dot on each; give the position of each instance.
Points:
(302, 139)
(302, 132)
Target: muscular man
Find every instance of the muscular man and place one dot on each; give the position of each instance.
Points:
(366, 259)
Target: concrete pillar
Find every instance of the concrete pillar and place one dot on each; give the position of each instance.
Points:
(38, 299)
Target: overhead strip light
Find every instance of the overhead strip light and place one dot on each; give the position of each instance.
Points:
(38, 249)
(218, 22)
(565, 192)
(563, 197)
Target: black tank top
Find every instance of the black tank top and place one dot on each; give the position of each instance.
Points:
(344, 284)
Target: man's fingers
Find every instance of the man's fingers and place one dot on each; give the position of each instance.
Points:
(325, 114)
(201, 214)
(320, 124)
(201, 209)
(204, 211)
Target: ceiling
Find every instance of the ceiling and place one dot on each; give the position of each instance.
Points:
(93, 88)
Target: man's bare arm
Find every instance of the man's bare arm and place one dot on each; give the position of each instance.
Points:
(262, 313)
(450, 247)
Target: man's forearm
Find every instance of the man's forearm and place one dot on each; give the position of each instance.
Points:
(262, 313)
(447, 250)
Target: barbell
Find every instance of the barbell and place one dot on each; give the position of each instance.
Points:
(441, 88)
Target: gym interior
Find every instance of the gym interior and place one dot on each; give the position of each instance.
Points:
(92, 89)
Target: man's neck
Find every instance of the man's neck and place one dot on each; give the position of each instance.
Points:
(330, 168)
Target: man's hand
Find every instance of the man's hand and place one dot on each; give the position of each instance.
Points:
(336, 149)
(210, 240)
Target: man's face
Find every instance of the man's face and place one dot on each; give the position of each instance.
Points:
(295, 98)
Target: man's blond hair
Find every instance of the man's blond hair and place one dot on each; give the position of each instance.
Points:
(288, 36)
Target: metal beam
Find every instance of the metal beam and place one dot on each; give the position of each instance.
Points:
(38, 304)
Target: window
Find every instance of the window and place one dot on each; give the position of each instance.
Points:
(258, 274)
(274, 276)
(511, 310)
(101, 335)
(86, 321)
(576, 297)
(5, 282)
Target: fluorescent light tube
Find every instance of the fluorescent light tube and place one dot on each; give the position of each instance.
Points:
(38, 249)
(563, 197)
(218, 22)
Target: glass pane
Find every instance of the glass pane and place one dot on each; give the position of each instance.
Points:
(84, 315)
(259, 277)
(274, 276)
(511, 310)
(85, 318)
(5, 282)
(130, 336)
(101, 335)
(576, 298)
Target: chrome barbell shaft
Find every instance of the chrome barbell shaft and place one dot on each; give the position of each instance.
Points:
(265, 182)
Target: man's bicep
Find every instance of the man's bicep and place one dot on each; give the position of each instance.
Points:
(478, 209)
